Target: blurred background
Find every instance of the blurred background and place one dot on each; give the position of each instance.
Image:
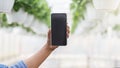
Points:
(95, 32)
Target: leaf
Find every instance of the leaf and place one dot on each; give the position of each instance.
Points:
(116, 27)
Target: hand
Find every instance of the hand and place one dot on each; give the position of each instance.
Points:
(48, 44)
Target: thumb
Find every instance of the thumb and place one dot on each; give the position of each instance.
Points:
(49, 34)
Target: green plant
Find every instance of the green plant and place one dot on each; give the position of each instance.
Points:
(116, 27)
(78, 8)
(38, 8)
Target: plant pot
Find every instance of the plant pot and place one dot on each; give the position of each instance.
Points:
(28, 21)
(6, 5)
(18, 17)
(106, 4)
(93, 14)
(39, 27)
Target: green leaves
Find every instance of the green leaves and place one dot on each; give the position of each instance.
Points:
(116, 27)
(78, 8)
(4, 20)
(38, 8)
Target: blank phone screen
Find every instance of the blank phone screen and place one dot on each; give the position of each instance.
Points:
(58, 29)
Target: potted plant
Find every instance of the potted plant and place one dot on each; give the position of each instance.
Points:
(38, 8)
(6, 5)
(106, 4)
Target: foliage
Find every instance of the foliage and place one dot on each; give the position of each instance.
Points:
(78, 8)
(38, 8)
(116, 27)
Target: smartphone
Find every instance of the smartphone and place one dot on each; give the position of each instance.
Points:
(58, 29)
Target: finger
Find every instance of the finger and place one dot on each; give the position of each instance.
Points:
(68, 29)
(49, 33)
(53, 46)
(67, 35)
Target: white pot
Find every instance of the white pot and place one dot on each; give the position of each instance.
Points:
(6, 5)
(35, 26)
(106, 4)
(39, 27)
(28, 20)
(93, 14)
(18, 17)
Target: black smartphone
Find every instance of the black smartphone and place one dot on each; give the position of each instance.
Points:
(58, 29)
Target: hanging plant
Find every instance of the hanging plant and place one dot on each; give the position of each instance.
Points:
(6, 5)
(38, 8)
(78, 8)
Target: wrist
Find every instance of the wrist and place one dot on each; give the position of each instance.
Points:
(49, 47)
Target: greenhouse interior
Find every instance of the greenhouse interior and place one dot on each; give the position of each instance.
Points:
(94, 39)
